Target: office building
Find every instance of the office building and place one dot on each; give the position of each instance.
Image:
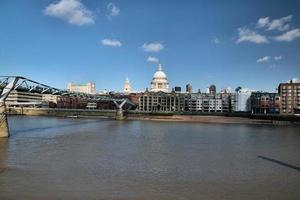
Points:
(240, 100)
(23, 99)
(188, 88)
(161, 102)
(177, 89)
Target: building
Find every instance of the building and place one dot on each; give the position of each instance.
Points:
(89, 88)
(177, 89)
(204, 102)
(290, 97)
(50, 99)
(127, 88)
(23, 99)
(159, 81)
(161, 102)
(240, 100)
(264, 103)
(71, 102)
(134, 97)
(212, 89)
(91, 105)
(188, 88)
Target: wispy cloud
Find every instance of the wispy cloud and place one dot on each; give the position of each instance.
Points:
(72, 11)
(281, 24)
(153, 47)
(246, 34)
(152, 59)
(288, 36)
(111, 42)
(113, 10)
(216, 40)
(263, 59)
(271, 61)
(276, 58)
(276, 24)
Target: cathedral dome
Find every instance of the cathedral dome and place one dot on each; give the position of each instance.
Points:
(159, 81)
(159, 73)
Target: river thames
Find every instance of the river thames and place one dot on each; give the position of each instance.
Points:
(65, 158)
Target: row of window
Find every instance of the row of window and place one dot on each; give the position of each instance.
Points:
(290, 87)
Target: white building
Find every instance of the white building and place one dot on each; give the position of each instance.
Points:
(127, 87)
(29, 99)
(88, 88)
(241, 100)
(159, 81)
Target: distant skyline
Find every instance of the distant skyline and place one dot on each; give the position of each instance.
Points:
(253, 44)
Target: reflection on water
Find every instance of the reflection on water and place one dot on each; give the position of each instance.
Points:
(60, 158)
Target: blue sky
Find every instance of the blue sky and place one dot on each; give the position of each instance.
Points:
(254, 44)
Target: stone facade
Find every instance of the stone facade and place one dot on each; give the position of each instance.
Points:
(89, 88)
(127, 87)
(159, 81)
(161, 102)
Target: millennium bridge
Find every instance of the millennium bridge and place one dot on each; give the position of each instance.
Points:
(19, 83)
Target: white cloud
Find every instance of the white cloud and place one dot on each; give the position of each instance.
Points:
(262, 22)
(263, 59)
(72, 11)
(153, 47)
(113, 10)
(280, 24)
(246, 34)
(152, 59)
(267, 59)
(276, 24)
(276, 58)
(111, 42)
(216, 40)
(288, 36)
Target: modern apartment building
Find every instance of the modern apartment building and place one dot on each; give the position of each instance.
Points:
(290, 97)
(204, 102)
(264, 103)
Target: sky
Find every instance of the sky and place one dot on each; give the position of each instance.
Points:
(251, 43)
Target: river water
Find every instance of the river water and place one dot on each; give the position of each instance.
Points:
(64, 158)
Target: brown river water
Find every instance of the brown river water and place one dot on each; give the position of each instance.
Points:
(63, 158)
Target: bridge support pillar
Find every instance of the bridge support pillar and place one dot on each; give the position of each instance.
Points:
(119, 114)
(4, 131)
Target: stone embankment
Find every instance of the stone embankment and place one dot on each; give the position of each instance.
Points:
(228, 118)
